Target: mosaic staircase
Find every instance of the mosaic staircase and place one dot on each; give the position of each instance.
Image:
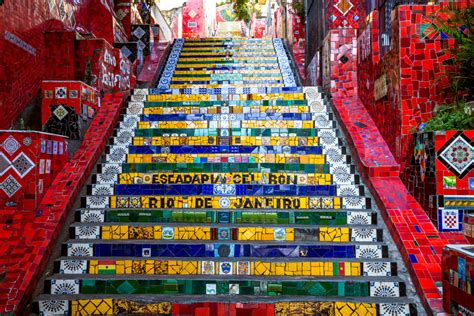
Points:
(226, 183)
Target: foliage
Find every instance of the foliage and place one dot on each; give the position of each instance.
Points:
(298, 7)
(450, 117)
(458, 25)
(242, 10)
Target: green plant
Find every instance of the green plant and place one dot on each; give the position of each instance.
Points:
(242, 10)
(450, 117)
(458, 25)
(298, 7)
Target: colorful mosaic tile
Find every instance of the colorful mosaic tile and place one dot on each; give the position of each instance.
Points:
(226, 180)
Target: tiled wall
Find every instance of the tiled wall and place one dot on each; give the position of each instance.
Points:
(405, 81)
(29, 161)
(27, 240)
(298, 43)
(294, 35)
(193, 19)
(344, 13)
(454, 177)
(441, 176)
(23, 48)
(339, 63)
(458, 278)
(65, 105)
(361, 82)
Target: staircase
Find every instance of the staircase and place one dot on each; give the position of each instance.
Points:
(227, 184)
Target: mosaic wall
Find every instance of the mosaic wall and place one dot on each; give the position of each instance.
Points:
(339, 63)
(142, 35)
(128, 49)
(344, 13)
(194, 25)
(28, 58)
(29, 161)
(458, 278)
(65, 104)
(454, 177)
(298, 43)
(124, 15)
(467, 227)
(28, 237)
(441, 176)
(364, 93)
(294, 36)
(92, 61)
(410, 98)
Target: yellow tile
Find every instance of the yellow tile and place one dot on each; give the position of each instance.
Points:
(120, 267)
(92, 307)
(105, 232)
(93, 267)
(157, 232)
(355, 269)
(343, 309)
(290, 234)
(113, 202)
(280, 269)
(328, 268)
(190, 267)
(128, 264)
(262, 268)
(291, 266)
(150, 266)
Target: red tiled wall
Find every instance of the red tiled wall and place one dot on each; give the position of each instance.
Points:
(340, 62)
(193, 14)
(344, 14)
(459, 269)
(298, 43)
(77, 93)
(60, 47)
(123, 11)
(26, 243)
(465, 183)
(22, 65)
(411, 69)
(417, 238)
(41, 157)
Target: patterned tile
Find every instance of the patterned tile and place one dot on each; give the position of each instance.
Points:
(10, 186)
(10, 145)
(458, 154)
(22, 164)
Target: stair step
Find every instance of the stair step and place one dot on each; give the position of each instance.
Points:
(247, 217)
(231, 266)
(143, 231)
(152, 284)
(226, 179)
(225, 189)
(223, 249)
